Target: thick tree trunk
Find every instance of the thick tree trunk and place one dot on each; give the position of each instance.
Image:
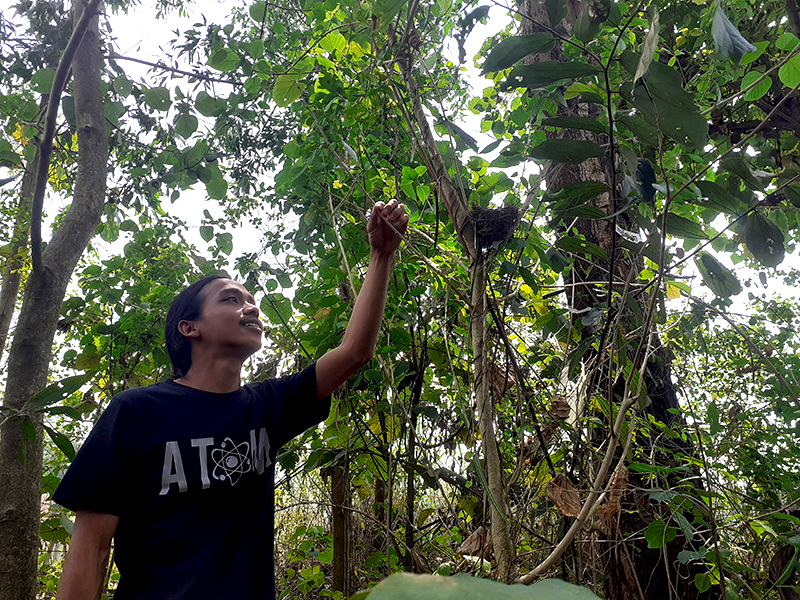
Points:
(29, 358)
(632, 570)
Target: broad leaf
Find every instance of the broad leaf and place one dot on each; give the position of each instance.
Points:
(556, 11)
(207, 105)
(658, 534)
(645, 133)
(545, 73)
(717, 198)
(764, 240)
(55, 392)
(286, 90)
(42, 81)
(578, 246)
(717, 277)
(157, 98)
(62, 442)
(386, 10)
(759, 90)
(684, 228)
(509, 51)
(407, 586)
(738, 166)
(566, 151)
(729, 41)
(185, 125)
(789, 74)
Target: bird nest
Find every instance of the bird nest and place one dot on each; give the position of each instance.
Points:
(493, 224)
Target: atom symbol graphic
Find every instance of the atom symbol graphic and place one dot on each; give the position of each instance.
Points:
(231, 461)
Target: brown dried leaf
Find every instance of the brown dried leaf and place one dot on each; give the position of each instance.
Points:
(563, 494)
(478, 544)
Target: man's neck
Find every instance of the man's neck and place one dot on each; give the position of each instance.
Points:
(220, 376)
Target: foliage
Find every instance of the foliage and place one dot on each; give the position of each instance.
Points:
(698, 185)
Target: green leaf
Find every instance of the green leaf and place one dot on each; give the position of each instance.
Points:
(62, 442)
(703, 582)
(584, 123)
(644, 180)
(277, 308)
(207, 105)
(386, 10)
(650, 44)
(646, 134)
(574, 358)
(206, 232)
(566, 151)
(713, 418)
(225, 242)
(578, 246)
(258, 11)
(224, 59)
(789, 74)
(42, 81)
(68, 108)
(764, 240)
(787, 42)
(587, 25)
(684, 228)
(122, 85)
(407, 586)
(509, 51)
(658, 534)
(558, 262)
(334, 43)
(185, 125)
(545, 73)
(738, 166)
(217, 188)
(286, 90)
(760, 88)
(717, 277)
(729, 41)
(718, 198)
(55, 392)
(556, 11)
(157, 98)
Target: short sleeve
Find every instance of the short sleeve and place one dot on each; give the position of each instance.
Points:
(99, 478)
(301, 408)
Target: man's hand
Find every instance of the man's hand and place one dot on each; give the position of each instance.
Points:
(382, 238)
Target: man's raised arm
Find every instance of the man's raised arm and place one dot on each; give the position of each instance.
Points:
(358, 345)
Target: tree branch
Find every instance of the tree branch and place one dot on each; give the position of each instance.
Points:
(46, 145)
(164, 67)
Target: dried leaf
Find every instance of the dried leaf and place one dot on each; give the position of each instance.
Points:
(478, 544)
(563, 494)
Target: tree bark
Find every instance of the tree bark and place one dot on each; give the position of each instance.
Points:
(29, 357)
(12, 274)
(342, 551)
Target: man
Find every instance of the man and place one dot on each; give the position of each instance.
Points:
(181, 473)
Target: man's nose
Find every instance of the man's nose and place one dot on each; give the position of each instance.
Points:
(250, 308)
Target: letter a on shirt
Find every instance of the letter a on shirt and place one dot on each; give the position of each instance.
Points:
(172, 459)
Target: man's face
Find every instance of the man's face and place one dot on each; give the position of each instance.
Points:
(228, 319)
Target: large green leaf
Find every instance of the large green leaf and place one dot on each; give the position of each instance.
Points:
(645, 133)
(658, 534)
(578, 246)
(684, 228)
(55, 392)
(386, 10)
(62, 442)
(764, 240)
(717, 277)
(738, 166)
(513, 49)
(406, 586)
(566, 151)
(717, 198)
(556, 11)
(545, 73)
(661, 100)
(157, 98)
(287, 89)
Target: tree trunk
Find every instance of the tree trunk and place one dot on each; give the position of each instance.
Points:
(632, 570)
(458, 209)
(29, 357)
(501, 538)
(12, 274)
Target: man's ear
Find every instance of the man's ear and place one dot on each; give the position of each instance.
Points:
(187, 329)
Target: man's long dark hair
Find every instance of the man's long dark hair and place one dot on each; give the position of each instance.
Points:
(186, 307)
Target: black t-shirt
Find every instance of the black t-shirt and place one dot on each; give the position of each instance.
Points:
(190, 474)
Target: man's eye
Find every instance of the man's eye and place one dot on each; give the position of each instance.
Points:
(234, 298)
